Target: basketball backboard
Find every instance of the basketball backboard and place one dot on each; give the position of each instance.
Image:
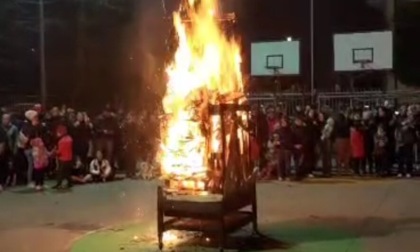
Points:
(272, 58)
(363, 51)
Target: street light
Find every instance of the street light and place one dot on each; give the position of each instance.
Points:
(289, 39)
(43, 72)
(312, 14)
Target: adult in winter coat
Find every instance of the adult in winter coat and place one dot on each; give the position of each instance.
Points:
(342, 142)
(326, 146)
(302, 149)
(286, 148)
(405, 137)
(380, 151)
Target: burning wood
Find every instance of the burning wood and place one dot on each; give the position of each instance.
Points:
(205, 71)
(205, 147)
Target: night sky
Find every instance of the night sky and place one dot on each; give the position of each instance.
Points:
(111, 37)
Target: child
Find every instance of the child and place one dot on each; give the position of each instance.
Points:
(380, 149)
(272, 156)
(78, 174)
(40, 157)
(357, 148)
(100, 168)
(64, 156)
(147, 168)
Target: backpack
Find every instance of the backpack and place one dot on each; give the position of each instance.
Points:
(39, 153)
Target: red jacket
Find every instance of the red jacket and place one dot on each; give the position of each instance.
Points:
(65, 149)
(357, 144)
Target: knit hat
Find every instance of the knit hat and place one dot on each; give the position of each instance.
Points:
(31, 114)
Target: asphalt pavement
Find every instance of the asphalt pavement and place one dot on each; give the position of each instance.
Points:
(345, 214)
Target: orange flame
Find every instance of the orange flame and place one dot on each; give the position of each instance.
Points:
(206, 60)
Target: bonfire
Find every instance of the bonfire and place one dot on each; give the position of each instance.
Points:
(205, 71)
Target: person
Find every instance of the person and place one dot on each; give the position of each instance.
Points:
(406, 138)
(254, 147)
(33, 129)
(313, 125)
(380, 150)
(146, 168)
(389, 122)
(357, 148)
(100, 168)
(342, 143)
(130, 146)
(272, 120)
(4, 162)
(81, 132)
(286, 147)
(70, 116)
(39, 109)
(65, 157)
(54, 120)
(106, 129)
(326, 146)
(79, 172)
(12, 133)
(40, 158)
(300, 148)
(272, 157)
(369, 129)
(259, 136)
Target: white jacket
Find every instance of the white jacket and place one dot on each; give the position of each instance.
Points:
(328, 129)
(100, 167)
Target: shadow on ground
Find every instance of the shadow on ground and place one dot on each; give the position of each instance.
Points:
(312, 234)
(75, 226)
(236, 243)
(26, 190)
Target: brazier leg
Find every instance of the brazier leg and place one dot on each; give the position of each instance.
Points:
(160, 239)
(254, 210)
(160, 224)
(222, 234)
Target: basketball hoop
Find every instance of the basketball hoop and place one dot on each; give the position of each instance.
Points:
(276, 70)
(365, 64)
(275, 63)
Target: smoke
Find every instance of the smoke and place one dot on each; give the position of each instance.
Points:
(145, 51)
(145, 47)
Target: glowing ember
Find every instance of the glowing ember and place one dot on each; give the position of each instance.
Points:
(170, 237)
(206, 66)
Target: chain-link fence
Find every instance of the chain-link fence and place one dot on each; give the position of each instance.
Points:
(335, 100)
(286, 101)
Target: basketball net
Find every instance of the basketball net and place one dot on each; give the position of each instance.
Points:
(365, 65)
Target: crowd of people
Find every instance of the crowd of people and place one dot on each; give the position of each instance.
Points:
(362, 141)
(67, 145)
